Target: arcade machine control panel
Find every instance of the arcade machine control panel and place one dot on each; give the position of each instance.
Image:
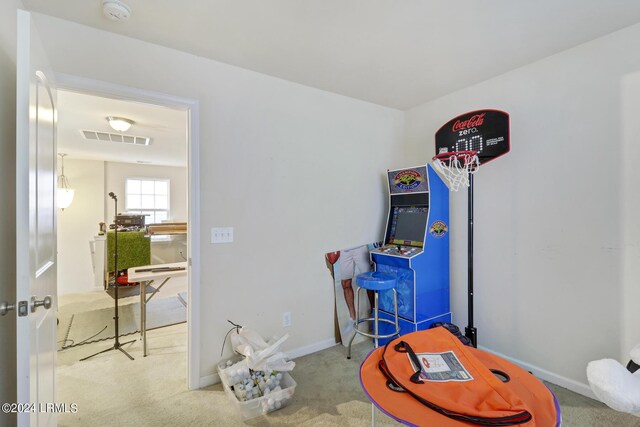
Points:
(398, 250)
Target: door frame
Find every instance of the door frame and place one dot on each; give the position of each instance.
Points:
(191, 106)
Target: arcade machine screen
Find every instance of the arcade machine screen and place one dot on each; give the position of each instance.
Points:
(408, 226)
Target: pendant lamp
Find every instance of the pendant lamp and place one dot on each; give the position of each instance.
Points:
(65, 194)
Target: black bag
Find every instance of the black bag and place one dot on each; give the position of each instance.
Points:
(454, 330)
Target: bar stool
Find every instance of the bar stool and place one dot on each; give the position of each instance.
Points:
(376, 282)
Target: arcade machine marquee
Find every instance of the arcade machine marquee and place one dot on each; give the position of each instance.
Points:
(416, 249)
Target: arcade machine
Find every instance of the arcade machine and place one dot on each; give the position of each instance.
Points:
(415, 250)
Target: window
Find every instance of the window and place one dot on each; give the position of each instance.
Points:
(149, 197)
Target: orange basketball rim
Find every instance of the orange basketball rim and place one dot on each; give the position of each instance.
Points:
(444, 383)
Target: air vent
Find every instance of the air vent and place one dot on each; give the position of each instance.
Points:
(115, 137)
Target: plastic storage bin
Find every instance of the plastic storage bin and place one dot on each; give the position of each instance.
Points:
(259, 405)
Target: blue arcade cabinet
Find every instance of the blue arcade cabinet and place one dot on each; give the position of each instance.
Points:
(416, 250)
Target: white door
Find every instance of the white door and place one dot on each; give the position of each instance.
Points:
(35, 230)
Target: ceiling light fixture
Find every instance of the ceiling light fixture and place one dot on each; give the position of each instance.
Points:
(65, 194)
(119, 123)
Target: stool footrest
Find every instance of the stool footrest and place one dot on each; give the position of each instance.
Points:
(372, 319)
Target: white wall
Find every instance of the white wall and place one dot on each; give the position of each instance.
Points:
(297, 171)
(79, 223)
(8, 205)
(549, 288)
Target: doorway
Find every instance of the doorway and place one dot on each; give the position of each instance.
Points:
(169, 346)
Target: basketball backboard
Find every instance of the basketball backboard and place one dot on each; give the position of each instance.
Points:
(484, 131)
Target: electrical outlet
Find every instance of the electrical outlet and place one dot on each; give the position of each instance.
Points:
(286, 319)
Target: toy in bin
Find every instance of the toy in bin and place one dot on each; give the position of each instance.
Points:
(255, 393)
(259, 383)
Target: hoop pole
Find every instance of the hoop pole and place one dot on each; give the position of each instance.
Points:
(470, 332)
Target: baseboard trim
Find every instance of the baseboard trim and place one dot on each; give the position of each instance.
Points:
(568, 383)
(312, 348)
(208, 380)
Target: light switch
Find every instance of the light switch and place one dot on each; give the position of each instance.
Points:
(227, 235)
(222, 235)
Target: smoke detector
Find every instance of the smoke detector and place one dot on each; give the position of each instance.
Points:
(115, 10)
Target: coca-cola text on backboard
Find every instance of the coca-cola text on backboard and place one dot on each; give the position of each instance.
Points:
(484, 131)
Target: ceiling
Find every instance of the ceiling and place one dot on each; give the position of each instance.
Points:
(166, 127)
(395, 53)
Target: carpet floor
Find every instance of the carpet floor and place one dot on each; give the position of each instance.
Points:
(87, 327)
(128, 291)
(111, 390)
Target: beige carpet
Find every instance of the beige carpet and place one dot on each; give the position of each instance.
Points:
(111, 390)
(87, 327)
(128, 291)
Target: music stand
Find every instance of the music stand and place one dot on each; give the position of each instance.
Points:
(116, 345)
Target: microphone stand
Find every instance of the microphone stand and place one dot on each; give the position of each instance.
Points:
(117, 345)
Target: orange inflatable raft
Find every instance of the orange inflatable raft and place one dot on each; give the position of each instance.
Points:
(429, 378)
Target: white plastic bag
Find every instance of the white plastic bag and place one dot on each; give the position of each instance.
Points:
(247, 341)
(261, 355)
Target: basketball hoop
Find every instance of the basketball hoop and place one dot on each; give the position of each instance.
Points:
(456, 166)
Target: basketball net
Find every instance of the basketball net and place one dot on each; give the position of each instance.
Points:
(456, 166)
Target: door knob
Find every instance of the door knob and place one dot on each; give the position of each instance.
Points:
(46, 303)
(5, 307)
